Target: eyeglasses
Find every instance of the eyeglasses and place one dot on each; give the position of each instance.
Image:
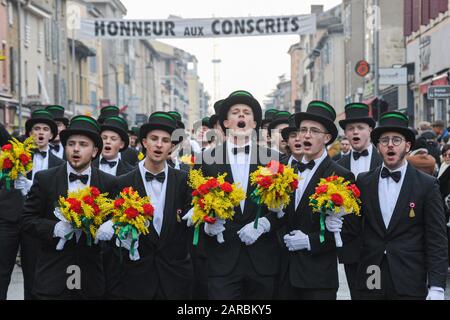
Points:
(313, 131)
(446, 155)
(396, 141)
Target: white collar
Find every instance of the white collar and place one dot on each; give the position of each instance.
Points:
(72, 170)
(117, 158)
(143, 169)
(402, 169)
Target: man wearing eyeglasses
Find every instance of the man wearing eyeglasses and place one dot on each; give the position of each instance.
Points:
(358, 126)
(403, 223)
(310, 272)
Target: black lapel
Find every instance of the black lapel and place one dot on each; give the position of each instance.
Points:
(96, 163)
(95, 178)
(52, 159)
(403, 198)
(376, 159)
(169, 214)
(62, 185)
(345, 161)
(374, 206)
(320, 173)
(121, 168)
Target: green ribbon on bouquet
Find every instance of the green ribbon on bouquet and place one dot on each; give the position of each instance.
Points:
(196, 234)
(4, 175)
(126, 230)
(256, 198)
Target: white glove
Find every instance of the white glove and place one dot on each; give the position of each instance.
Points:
(62, 229)
(188, 217)
(215, 228)
(105, 232)
(279, 211)
(447, 202)
(126, 243)
(333, 223)
(436, 293)
(23, 184)
(248, 234)
(297, 240)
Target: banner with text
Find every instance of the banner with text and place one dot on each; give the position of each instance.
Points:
(196, 28)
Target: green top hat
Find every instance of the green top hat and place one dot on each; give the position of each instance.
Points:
(279, 118)
(357, 112)
(159, 120)
(217, 106)
(58, 113)
(41, 116)
(118, 125)
(292, 127)
(268, 116)
(177, 116)
(86, 126)
(393, 121)
(240, 97)
(321, 112)
(108, 111)
(134, 131)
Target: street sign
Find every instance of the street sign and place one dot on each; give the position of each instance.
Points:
(439, 92)
(362, 68)
(393, 76)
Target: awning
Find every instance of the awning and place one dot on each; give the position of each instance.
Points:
(441, 80)
(424, 87)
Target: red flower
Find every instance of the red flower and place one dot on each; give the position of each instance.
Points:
(24, 158)
(355, 190)
(332, 178)
(127, 190)
(75, 205)
(294, 184)
(96, 209)
(119, 202)
(7, 147)
(212, 183)
(226, 187)
(322, 189)
(201, 203)
(337, 199)
(193, 159)
(88, 200)
(203, 189)
(265, 182)
(131, 213)
(275, 167)
(7, 164)
(95, 192)
(195, 193)
(209, 219)
(148, 209)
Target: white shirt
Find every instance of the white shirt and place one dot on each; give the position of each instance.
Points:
(39, 163)
(305, 177)
(240, 166)
(77, 184)
(106, 168)
(388, 192)
(157, 193)
(362, 164)
(60, 153)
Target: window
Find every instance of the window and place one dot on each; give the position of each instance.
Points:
(4, 64)
(27, 30)
(40, 37)
(25, 67)
(93, 99)
(10, 13)
(93, 64)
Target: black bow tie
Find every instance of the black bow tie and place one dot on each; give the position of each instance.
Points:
(245, 149)
(82, 177)
(396, 176)
(294, 164)
(160, 177)
(55, 147)
(111, 164)
(42, 153)
(303, 166)
(357, 155)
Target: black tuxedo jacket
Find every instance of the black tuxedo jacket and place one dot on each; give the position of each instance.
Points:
(164, 260)
(39, 220)
(350, 252)
(416, 247)
(315, 269)
(264, 253)
(4, 135)
(11, 201)
(130, 155)
(123, 167)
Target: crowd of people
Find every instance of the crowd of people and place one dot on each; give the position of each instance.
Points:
(402, 175)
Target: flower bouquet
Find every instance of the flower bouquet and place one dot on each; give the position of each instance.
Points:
(85, 209)
(132, 216)
(274, 185)
(335, 196)
(213, 198)
(188, 159)
(16, 159)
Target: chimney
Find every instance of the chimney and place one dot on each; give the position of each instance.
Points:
(316, 9)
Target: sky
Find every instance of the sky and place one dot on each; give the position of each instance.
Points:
(247, 63)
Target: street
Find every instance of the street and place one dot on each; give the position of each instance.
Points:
(15, 291)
